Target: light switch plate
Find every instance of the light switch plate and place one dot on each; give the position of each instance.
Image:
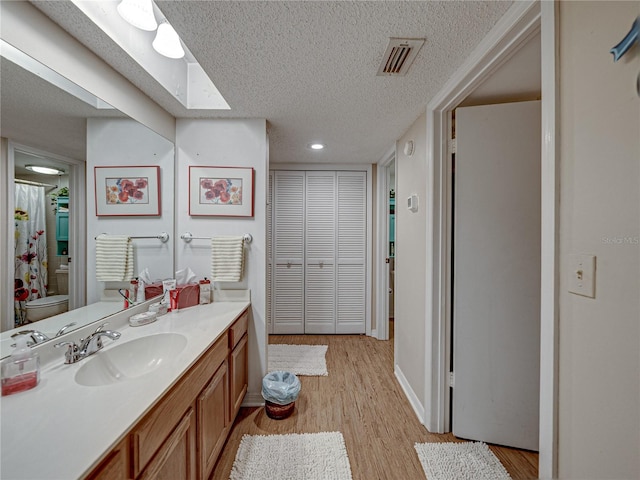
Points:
(582, 275)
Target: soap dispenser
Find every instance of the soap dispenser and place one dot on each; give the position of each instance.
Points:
(21, 371)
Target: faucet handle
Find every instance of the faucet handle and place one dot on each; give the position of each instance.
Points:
(99, 329)
(71, 355)
(61, 331)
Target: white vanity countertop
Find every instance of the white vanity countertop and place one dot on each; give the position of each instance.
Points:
(50, 326)
(60, 429)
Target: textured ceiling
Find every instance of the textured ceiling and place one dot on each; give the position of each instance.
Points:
(38, 114)
(309, 67)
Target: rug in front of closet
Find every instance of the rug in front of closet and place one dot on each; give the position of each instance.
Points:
(308, 360)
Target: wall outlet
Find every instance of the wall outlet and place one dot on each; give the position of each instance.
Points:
(582, 275)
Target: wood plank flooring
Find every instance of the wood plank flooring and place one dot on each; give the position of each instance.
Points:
(362, 399)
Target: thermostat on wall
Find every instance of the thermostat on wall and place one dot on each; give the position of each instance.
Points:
(412, 203)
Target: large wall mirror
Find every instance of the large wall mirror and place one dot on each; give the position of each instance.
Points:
(50, 122)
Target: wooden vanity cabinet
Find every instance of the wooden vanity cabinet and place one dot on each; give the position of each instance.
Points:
(238, 362)
(175, 459)
(115, 465)
(213, 421)
(183, 434)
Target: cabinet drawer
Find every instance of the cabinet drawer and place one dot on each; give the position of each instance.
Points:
(154, 429)
(238, 329)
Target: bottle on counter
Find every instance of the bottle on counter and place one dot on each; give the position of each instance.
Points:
(21, 371)
(205, 291)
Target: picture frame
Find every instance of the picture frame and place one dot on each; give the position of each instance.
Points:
(127, 191)
(221, 191)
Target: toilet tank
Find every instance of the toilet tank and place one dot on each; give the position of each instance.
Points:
(62, 276)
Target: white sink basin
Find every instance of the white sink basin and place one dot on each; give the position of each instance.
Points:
(131, 359)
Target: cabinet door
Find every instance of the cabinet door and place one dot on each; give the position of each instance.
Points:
(213, 420)
(351, 252)
(288, 231)
(115, 466)
(239, 375)
(176, 459)
(320, 253)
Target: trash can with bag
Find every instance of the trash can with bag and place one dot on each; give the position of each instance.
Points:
(280, 391)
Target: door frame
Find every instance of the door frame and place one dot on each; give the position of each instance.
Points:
(381, 331)
(77, 230)
(368, 169)
(519, 24)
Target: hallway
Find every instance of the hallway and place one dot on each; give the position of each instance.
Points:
(362, 399)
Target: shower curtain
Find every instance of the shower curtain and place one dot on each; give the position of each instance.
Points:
(31, 276)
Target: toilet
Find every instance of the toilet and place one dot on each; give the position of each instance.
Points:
(46, 307)
(49, 306)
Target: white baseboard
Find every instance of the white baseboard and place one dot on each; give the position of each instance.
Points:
(253, 400)
(418, 408)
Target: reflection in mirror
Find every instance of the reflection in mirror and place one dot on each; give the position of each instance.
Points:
(45, 119)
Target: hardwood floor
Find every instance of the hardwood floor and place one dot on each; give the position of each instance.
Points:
(362, 399)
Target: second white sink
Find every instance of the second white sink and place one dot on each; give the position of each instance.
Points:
(131, 359)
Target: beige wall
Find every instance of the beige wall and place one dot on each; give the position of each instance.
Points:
(411, 231)
(599, 340)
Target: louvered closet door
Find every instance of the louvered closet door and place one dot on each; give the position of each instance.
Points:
(270, 254)
(288, 235)
(320, 236)
(351, 251)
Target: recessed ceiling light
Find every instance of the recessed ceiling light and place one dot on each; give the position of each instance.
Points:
(44, 170)
(316, 146)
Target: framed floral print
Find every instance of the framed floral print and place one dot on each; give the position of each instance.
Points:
(221, 191)
(127, 191)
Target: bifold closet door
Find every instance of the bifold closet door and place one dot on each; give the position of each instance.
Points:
(351, 247)
(288, 243)
(270, 254)
(320, 253)
(319, 225)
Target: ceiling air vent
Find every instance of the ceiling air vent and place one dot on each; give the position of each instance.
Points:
(400, 54)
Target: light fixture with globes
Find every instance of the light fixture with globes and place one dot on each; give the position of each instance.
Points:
(167, 41)
(140, 14)
(44, 170)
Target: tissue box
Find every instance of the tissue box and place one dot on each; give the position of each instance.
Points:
(189, 295)
(153, 290)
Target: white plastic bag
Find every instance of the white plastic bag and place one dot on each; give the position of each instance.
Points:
(280, 387)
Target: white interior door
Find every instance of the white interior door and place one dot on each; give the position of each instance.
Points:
(496, 287)
(288, 288)
(351, 249)
(320, 252)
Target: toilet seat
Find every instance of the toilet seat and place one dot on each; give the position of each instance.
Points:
(45, 302)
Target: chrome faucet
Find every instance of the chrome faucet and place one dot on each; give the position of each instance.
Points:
(35, 337)
(88, 346)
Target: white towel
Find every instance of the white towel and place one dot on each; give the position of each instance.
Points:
(114, 258)
(227, 258)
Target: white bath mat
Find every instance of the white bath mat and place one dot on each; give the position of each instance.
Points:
(308, 456)
(299, 359)
(460, 461)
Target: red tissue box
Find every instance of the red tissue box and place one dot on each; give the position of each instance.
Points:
(188, 297)
(152, 290)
